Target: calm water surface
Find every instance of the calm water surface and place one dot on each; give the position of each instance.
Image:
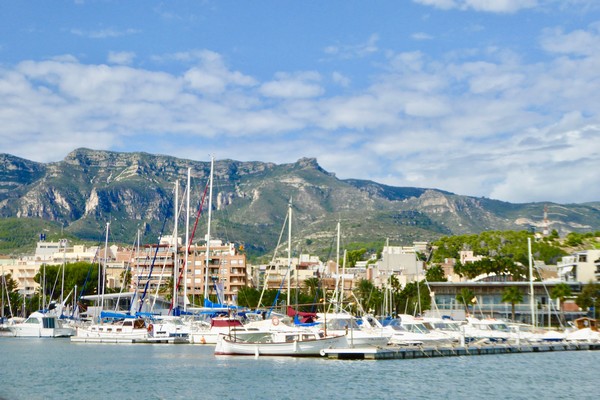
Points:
(59, 369)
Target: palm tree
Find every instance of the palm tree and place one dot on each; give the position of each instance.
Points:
(512, 295)
(466, 297)
(312, 285)
(560, 291)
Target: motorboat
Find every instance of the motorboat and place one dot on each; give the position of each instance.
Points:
(209, 332)
(449, 327)
(583, 329)
(488, 329)
(40, 324)
(408, 330)
(346, 324)
(125, 330)
(295, 344)
(169, 327)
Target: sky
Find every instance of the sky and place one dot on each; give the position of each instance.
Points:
(485, 98)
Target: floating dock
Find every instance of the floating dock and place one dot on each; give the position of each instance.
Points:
(390, 353)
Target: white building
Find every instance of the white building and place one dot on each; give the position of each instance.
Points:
(583, 266)
(401, 262)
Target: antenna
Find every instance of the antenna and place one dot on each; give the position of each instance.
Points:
(546, 224)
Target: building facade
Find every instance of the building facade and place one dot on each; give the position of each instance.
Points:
(583, 266)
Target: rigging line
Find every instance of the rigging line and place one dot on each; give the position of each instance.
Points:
(127, 268)
(162, 229)
(226, 218)
(162, 273)
(85, 282)
(278, 293)
(189, 244)
(55, 283)
(551, 303)
(266, 279)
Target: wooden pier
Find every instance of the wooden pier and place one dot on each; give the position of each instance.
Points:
(413, 352)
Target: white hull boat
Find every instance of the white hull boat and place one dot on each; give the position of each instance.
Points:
(123, 331)
(295, 344)
(41, 325)
(345, 324)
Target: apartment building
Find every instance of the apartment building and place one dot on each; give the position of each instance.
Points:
(583, 266)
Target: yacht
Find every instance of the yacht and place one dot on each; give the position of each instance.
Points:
(346, 324)
(40, 324)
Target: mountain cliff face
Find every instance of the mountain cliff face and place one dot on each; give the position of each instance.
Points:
(136, 191)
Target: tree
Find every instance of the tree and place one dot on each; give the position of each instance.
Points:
(512, 295)
(369, 296)
(589, 298)
(436, 274)
(466, 297)
(352, 256)
(560, 292)
(248, 297)
(410, 301)
(10, 294)
(312, 286)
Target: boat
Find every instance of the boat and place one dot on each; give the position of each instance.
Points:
(407, 330)
(40, 324)
(208, 334)
(125, 330)
(169, 326)
(487, 329)
(535, 334)
(294, 344)
(346, 324)
(583, 329)
(449, 327)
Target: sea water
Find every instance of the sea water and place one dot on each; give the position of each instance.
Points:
(59, 369)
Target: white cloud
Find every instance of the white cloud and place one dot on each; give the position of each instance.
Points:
(211, 76)
(293, 86)
(340, 79)
(495, 6)
(578, 42)
(350, 51)
(483, 123)
(421, 36)
(121, 57)
(104, 33)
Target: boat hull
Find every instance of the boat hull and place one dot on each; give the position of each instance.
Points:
(227, 345)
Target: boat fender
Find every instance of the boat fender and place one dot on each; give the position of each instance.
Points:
(150, 328)
(275, 321)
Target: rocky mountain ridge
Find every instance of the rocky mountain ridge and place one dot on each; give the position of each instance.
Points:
(135, 191)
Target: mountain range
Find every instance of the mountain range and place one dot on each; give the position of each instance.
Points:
(135, 192)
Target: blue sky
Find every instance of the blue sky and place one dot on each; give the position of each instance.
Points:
(494, 98)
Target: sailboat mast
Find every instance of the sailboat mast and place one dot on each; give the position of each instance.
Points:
(104, 265)
(417, 281)
(62, 284)
(210, 190)
(532, 293)
(342, 280)
(175, 244)
(187, 240)
(337, 270)
(2, 288)
(289, 249)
